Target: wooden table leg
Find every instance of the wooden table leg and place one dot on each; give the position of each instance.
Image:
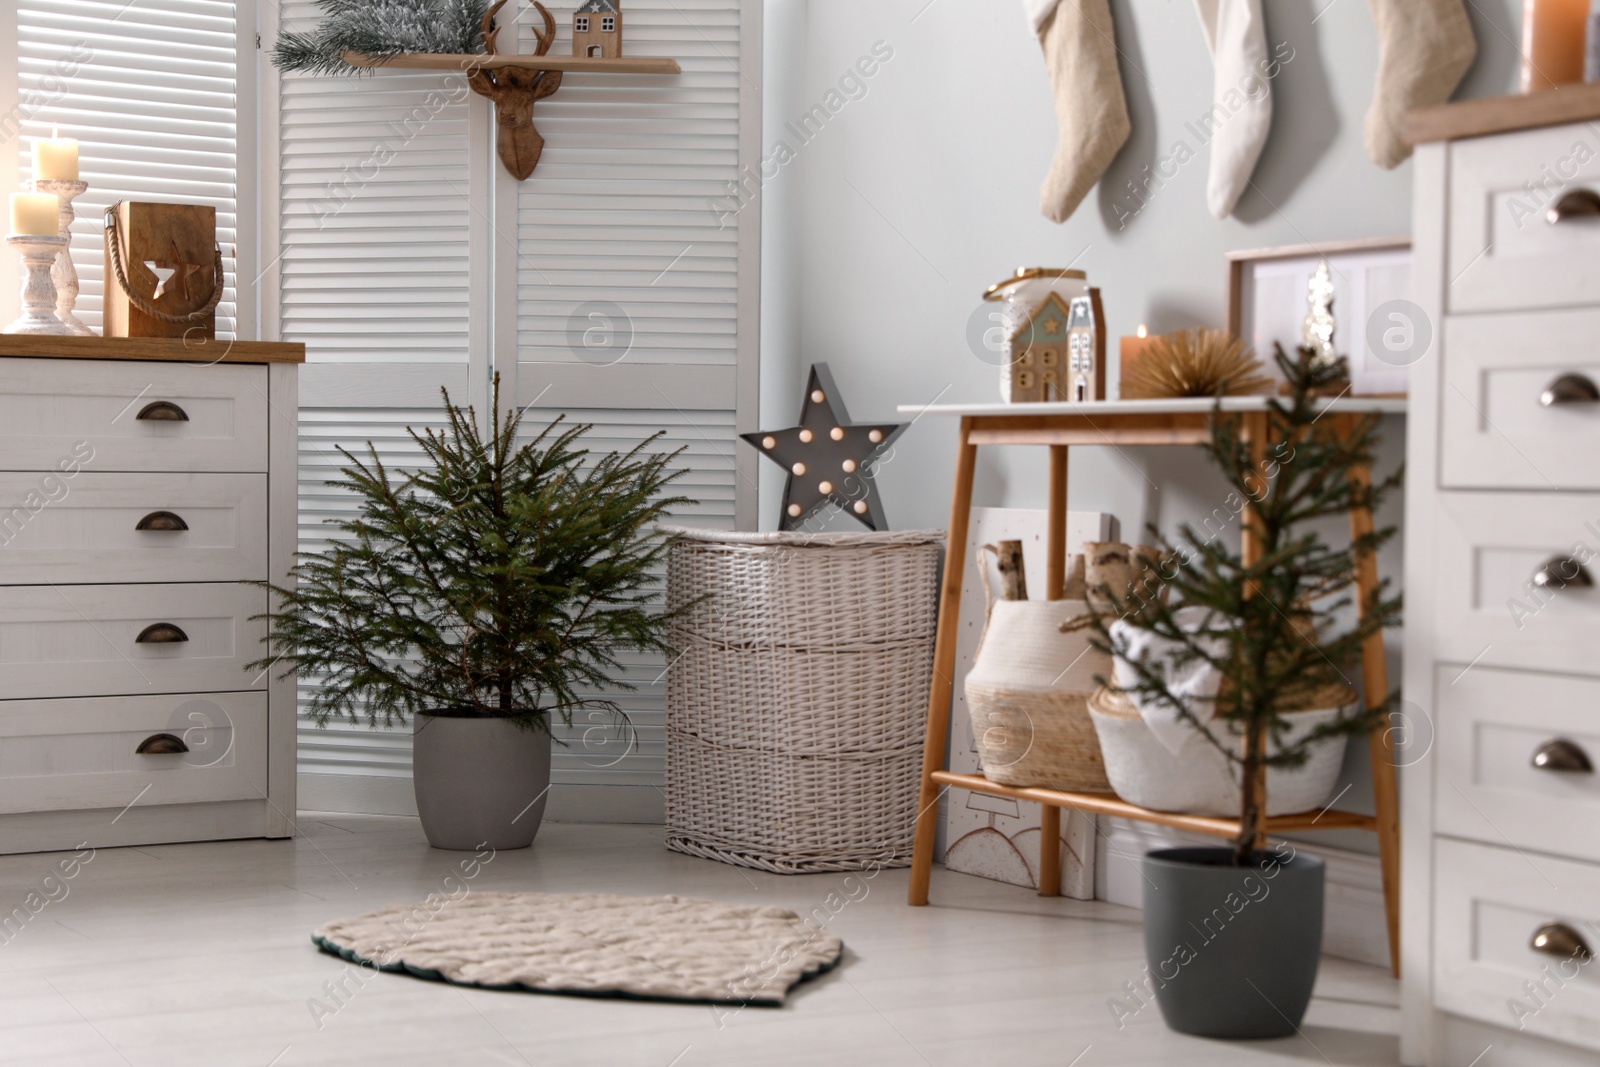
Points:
(944, 663)
(1255, 430)
(1055, 589)
(1375, 679)
(1055, 585)
(1049, 858)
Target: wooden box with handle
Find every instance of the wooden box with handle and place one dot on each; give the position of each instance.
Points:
(164, 274)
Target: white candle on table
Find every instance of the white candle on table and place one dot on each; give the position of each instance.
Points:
(56, 158)
(36, 214)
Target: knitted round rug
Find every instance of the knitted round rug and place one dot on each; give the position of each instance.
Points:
(592, 944)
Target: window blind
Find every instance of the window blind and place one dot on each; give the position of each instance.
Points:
(149, 90)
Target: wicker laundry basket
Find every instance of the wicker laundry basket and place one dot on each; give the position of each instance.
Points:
(797, 694)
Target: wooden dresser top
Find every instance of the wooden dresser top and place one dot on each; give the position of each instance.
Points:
(150, 348)
(1502, 114)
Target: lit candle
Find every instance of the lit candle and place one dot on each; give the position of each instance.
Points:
(1552, 42)
(56, 159)
(1132, 349)
(36, 214)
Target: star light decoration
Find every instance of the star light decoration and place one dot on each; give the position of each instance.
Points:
(828, 457)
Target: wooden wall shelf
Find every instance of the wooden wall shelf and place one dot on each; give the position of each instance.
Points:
(466, 63)
(516, 82)
(163, 349)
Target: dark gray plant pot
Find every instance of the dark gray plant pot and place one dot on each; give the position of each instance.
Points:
(1233, 951)
(479, 781)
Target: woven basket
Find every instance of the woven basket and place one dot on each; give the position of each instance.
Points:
(797, 696)
(1200, 780)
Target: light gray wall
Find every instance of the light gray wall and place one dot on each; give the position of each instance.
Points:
(883, 230)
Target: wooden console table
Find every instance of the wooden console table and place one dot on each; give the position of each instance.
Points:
(1059, 426)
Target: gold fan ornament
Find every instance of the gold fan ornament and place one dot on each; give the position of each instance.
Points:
(1191, 363)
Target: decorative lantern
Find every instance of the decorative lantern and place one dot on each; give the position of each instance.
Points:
(163, 271)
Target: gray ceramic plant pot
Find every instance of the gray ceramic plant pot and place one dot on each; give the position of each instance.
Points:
(479, 781)
(1233, 951)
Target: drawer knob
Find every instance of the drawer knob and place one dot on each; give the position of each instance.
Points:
(161, 745)
(161, 633)
(1562, 756)
(162, 411)
(1570, 389)
(1559, 572)
(1559, 939)
(1574, 204)
(162, 522)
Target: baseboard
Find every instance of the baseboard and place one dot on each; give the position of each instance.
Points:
(365, 794)
(357, 794)
(607, 804)
(1353, 925)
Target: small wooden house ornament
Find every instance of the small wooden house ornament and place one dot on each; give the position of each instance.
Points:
(597, 30)
(1058, 353)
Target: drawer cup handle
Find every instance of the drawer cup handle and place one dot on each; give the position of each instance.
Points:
(161, 745)
(1562, 941)
(162, 522)
(1562, 757)
(1559, 572)
(161, 633)
(1570, 389)
(1574, 204)
(162, 411)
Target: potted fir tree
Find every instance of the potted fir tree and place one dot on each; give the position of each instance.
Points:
(491, 589)
(1233, 935)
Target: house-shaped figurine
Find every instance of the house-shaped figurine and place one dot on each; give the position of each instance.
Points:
(597, 30)
(1059, 352)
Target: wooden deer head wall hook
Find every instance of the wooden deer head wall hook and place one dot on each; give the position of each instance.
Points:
(514, 91)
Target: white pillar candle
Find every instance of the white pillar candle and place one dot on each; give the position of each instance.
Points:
(56, 158)
(37, 214)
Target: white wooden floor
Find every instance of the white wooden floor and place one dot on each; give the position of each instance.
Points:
(199, 955)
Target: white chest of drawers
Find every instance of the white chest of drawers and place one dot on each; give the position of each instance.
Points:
(1501, 813)
(141, 488)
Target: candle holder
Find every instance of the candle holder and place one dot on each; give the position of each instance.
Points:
(38, 253)
(64, 274)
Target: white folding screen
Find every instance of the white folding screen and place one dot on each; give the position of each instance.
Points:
(634, 302)
(407, 259)
(372, 267)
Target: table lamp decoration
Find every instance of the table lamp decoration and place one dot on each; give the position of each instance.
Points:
(828, 457)
(35, 234)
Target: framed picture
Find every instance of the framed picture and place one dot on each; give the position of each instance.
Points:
(1267, 302)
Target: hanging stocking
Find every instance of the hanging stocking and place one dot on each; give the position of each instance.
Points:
(1080, 51)
(1241, 97)
(1425, 47)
